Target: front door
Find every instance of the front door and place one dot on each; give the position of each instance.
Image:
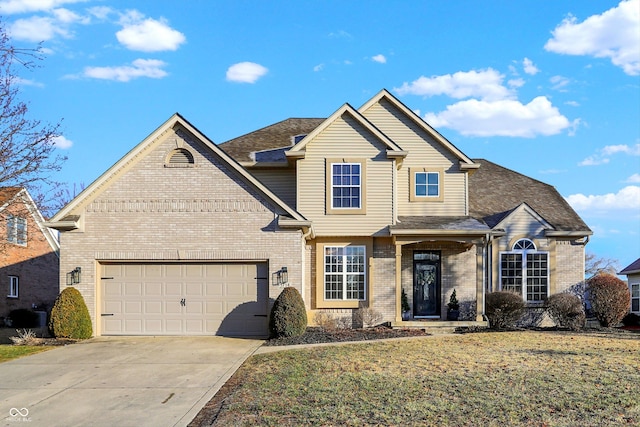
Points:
(426, 284)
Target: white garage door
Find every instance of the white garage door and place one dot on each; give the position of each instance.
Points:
(228, 299)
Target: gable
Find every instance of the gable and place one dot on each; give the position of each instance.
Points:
(146, 170)
(523, 221)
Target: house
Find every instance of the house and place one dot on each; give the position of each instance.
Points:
(182, 236)
(29, 254)
(632, 271)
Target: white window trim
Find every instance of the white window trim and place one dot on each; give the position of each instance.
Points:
(330, 209)
(631, 286)
(14, 287)
(12, 230)
(359, 186)
(344, 274)
(415, 187)
(524, 254)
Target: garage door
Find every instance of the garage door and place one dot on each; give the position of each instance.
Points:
(228, 299)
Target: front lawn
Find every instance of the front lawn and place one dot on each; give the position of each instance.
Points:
(8, 352)
(490, 379)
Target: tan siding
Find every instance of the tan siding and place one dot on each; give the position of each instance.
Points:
(279, 180)
(424, 152)
(345, 139)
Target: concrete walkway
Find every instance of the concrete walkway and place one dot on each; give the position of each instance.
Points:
(130, 381)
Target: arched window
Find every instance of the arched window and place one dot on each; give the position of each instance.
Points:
(524, 245)
(525, 271)
(180, 158)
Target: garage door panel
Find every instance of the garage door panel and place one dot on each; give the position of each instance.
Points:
(179, 299)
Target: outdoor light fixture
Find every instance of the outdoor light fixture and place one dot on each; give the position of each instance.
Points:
(73, 277)
(280, 277)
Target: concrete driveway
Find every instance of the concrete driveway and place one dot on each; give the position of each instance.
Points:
(130, 381)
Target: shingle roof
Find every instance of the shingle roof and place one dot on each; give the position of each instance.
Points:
(274, 136)
(439, 223)
(495, 191)
(631, 268)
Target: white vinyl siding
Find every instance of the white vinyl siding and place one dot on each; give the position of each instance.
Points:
(279, 180)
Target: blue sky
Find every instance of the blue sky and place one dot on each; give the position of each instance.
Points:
(550, 89)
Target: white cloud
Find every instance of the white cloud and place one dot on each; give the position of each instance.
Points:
(501, 118)
(37, 29)
(572, 103)
(151, 68)
(612, 34)
(633, 179)
(529, 68)
(516, 83)
(603, 155)
(483, 84)
(27, 82)
(380, 58)
(62, 143)
(9, 7)
(148, 35)
(559, 82)
(245, 72)
(627, 198)
(318, 67)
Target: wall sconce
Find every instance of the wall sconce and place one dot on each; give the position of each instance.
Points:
(73, 277)
(280, 277)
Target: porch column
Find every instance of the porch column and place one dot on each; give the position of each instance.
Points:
(479, 281)
(398, 282)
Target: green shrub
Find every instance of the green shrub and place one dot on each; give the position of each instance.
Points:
(288, 315)
(610, 298)
(70, 317)
(566, 311)
(503, 309)
(23, 318)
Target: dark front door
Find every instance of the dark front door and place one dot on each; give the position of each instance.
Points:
(426, 283)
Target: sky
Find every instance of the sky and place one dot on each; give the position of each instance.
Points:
(550, 89)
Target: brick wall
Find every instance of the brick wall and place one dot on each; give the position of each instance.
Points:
(36, 265)
(149, 212)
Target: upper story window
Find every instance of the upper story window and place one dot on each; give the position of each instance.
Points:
(17, 230)
(425, 184)
(180, 158)
(525, 271)
(345, 187)
(13, 287)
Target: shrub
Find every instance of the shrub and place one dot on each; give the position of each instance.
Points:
(368, 317)
(503, 309)
(70, 316)
(325, 321)
(566, 311)
(609, 297)
(288, 315)
(25, 337)
(23, 318)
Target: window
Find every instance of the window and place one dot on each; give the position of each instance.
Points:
(346, 186)
(525, 271)
(635, 297)
(425, 185)
(17, 230)
(344, 272)
(13, 287)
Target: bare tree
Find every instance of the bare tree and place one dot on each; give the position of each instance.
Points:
(593, 264)
(27, 146)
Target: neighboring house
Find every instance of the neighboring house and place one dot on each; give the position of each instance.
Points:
(632, 272)
(185, 237)
(29, 254)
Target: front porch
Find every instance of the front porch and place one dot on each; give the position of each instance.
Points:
(438, 326)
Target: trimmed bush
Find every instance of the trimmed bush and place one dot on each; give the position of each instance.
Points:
(70, 316)
(288, 315)
(23, 318)
(566, 311)
(610, 298)
(503, 309)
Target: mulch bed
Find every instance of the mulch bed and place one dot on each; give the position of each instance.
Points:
(317, 335)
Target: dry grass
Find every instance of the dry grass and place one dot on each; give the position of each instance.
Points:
(490, 379)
